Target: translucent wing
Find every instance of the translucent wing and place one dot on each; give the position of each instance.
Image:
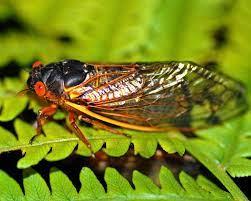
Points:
(181, 94)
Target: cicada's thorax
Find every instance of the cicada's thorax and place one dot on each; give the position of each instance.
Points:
(108, 84)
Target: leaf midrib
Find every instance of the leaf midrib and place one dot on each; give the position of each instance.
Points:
(147, 196)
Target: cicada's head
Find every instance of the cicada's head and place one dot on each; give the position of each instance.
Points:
(50, 80)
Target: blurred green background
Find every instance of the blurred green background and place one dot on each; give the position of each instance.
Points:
(203, 31)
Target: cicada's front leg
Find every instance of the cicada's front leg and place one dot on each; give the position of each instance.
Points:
(81, 136)
(78, 132)
(43, 114)
(100, 125)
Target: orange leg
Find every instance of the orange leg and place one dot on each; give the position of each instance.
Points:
(103, 126)
(77, 131)
(43, 114)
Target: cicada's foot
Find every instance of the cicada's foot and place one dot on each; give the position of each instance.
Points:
(36, 136)
(43, 114)
(33, 139)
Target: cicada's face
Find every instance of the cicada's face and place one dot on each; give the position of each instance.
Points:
(50, 80)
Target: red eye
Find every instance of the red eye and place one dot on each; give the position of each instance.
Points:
(40, 88)
(37, 64)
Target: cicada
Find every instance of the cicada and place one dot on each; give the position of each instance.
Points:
(157, 96)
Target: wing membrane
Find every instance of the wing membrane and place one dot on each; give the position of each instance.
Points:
(182, 94)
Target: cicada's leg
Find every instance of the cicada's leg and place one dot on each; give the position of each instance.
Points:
(43, 114)
(78, 132)
(103, 126)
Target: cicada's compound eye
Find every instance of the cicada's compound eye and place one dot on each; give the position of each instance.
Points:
(40, 88)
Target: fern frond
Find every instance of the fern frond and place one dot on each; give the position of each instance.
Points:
(219, 150)
(118, 188)
(228, 146)
(59, 143)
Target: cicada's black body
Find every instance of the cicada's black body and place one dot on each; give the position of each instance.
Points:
(57, 76)
(152, 95)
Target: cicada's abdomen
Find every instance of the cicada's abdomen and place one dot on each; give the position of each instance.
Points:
(109, 91)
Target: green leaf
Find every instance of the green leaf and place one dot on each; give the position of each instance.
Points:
(172, 144)
(228, 146)
(219, 148)
(118, 146)
(240, 167)
(191, 187)
(59, 143)
(144, 184)
(32, 156)
(169, 183)
(91, 187)
(36, 188)
(59, 150)
(211, 187)
(7, 140)
(11, 104)
(118, 188)
(9, 188)
(32, 153)
(62, 188)
(146, 147)
(117, 185)
(221, 145)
